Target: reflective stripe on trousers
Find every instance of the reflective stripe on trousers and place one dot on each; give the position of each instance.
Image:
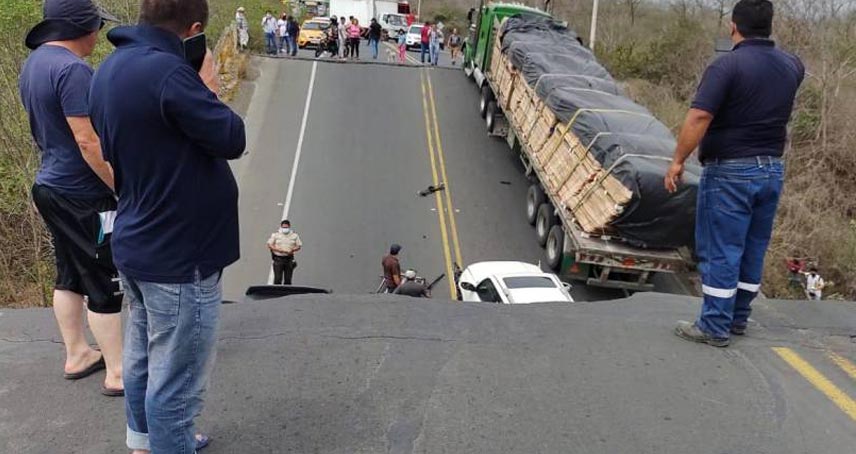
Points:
(737, 204)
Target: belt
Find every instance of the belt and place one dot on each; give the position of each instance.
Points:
(760, 160)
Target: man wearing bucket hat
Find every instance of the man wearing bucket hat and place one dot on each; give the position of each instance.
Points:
(73, 187)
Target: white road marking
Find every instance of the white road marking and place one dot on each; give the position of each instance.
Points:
(290, 193)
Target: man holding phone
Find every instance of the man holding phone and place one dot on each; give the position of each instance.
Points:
(168, 137)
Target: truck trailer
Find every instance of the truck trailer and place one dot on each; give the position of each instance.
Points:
(587, 251)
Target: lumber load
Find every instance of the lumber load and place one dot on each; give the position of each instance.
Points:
(599, 154)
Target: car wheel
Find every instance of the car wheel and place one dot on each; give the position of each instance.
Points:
(546, 220)
(555, 247)
(490, 116)
(485, 99)
(534, 198)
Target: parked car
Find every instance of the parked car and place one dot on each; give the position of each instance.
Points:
(414, 37)
(311, 33)
(510, 283)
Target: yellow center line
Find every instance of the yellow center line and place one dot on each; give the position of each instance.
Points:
(843, 363)
(439, 200)
(406, 55)
(439, 145)
(818, 380)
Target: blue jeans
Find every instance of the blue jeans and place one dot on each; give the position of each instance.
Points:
(270, 43)
(737, 201)
(435, 54)
(283, 44)
(373, 45)
(291, 47)
(170, 345)
(424, 50)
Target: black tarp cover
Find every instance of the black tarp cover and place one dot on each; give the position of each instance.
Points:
(622, 136)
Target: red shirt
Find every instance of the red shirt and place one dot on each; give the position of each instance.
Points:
(425, 31)
(391, 268)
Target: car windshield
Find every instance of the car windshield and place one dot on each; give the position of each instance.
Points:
(528, 282)
(416, 29)
(312, 26)
(396, 20)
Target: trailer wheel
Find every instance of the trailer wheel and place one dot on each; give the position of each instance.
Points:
(534, 198)
(546, 220)
(485, 99)
(555, 247)
(490, 116)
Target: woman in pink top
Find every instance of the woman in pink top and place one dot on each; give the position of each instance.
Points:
(354, 31)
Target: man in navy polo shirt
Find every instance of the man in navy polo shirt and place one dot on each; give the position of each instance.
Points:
(739, 122)
(168, 138)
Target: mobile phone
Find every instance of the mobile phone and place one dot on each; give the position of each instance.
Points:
(195, 48)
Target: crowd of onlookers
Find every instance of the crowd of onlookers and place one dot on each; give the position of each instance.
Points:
(342, 37)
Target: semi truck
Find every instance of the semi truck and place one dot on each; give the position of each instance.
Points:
(597, 260)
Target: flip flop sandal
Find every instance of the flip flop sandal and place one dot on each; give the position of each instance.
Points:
(202, 441)
(112, 392)
(94, 367)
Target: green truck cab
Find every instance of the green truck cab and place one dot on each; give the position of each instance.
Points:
(480, 38)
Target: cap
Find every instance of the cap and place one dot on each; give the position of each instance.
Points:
(67, 19)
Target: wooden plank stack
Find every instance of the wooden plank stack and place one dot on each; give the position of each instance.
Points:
(569, 172)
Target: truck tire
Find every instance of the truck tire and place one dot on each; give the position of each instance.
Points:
(534, 198)
(555, 247)
(485, 99)
(546, 220)
(490, 116)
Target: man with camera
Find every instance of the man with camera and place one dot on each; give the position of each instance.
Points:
(168, 137)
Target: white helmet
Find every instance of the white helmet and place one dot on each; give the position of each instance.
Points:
(410, 275)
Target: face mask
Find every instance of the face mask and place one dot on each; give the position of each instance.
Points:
(284, 230)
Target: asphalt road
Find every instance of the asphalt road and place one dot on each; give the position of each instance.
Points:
(382, 374)
(372, 137)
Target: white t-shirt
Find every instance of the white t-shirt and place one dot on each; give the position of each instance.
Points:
(269, 24)
(283, 27)
(814, 283)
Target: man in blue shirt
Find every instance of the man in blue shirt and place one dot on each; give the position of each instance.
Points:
(73, 187)
(739, 117)
(168, 138)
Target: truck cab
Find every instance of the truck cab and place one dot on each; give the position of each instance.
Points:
(480, 38)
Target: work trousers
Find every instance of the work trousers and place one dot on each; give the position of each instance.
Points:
(737, 202)
(283, 270)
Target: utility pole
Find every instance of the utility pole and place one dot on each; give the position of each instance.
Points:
(419, 10)
(593, 25)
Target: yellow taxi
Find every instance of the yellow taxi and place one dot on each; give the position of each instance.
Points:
(311, 33)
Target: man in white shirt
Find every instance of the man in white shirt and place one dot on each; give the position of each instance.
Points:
(814, 285)
(283, 244)
(282, 28)
(269, 28)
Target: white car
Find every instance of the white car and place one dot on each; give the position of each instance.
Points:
(511, 283)
(414, 36)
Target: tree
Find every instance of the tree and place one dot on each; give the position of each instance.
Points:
(632, 8)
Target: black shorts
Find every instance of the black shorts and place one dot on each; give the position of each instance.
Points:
(84, 261)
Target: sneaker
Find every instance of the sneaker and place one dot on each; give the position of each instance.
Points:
(691, 332)
(738, 330)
